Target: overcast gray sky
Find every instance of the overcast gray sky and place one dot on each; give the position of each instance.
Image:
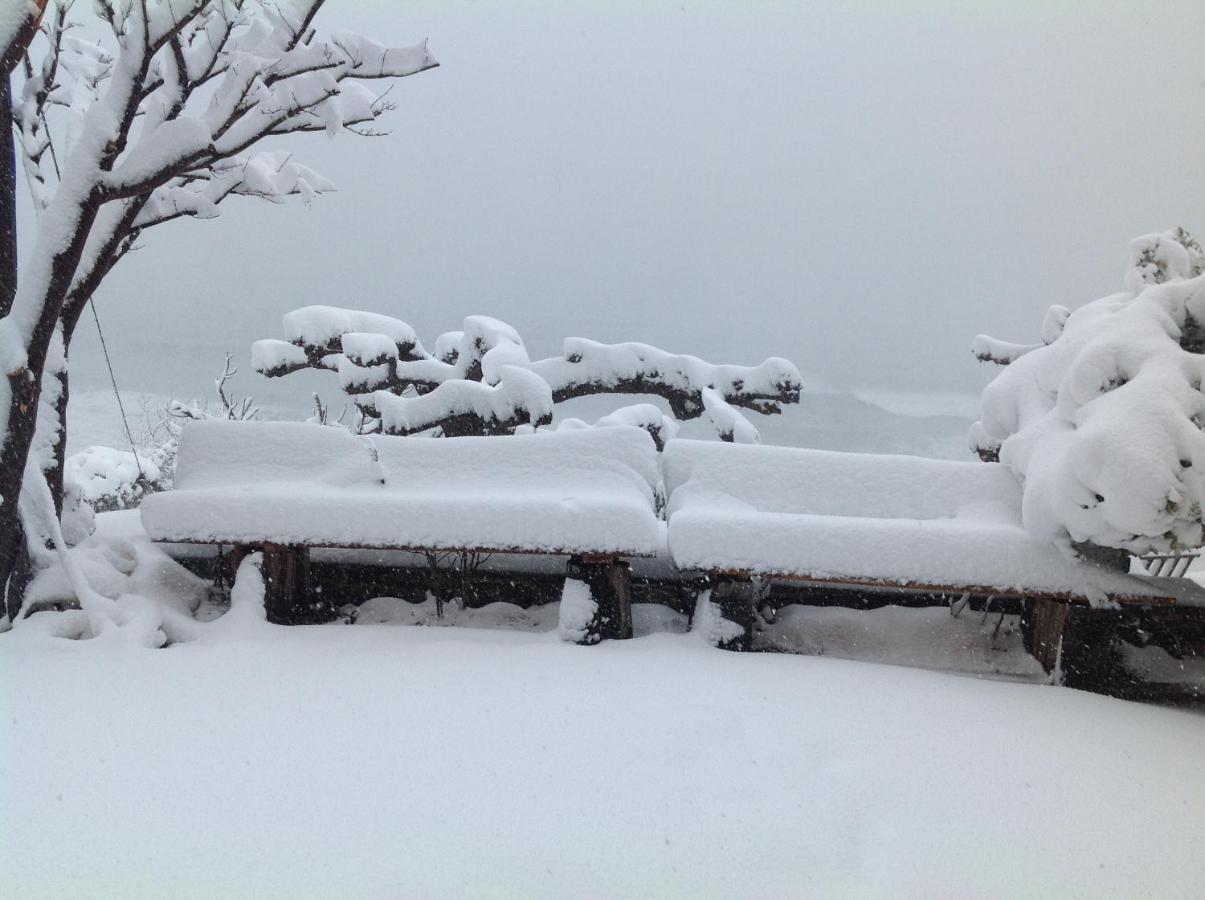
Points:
(859, 187)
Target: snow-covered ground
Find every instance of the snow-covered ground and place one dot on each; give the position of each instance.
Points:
(397, 762)
(490, 758)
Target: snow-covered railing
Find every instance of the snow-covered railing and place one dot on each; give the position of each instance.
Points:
(1169, 565)
(481, 381)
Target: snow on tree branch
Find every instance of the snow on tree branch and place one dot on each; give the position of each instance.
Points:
(1104, 423)
(18, 24)
(164, 119)
(481, 380)
(1002, 353)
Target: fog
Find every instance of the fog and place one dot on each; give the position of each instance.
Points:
(860, 188)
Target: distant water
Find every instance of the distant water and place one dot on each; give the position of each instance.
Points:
(827, 421)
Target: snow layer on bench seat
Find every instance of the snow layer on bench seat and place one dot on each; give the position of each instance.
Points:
(846, 516)
(291, 483)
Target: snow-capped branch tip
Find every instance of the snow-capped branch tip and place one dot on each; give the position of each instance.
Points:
(1002, 353)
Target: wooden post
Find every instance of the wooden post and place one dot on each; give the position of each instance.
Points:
(1088, 660)
(610, 583)
(1042, 627)
(285, 576)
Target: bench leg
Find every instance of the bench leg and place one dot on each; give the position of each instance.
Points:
(285, 576)
(1042, 626)
(610, 583)
(1088, 661)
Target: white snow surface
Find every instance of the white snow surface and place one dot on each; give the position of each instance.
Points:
(971, 642)
(709, 624)
(246, 482)
(99, 472)
(382, 762)
(577, 610)
(378, 761)
(818, 514)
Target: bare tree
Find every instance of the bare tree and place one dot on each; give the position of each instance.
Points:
(168, 118)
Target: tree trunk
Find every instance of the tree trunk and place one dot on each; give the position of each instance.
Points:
(11, 538)
(8, 203)
(56, 466)
(54, 273)
(56, 472)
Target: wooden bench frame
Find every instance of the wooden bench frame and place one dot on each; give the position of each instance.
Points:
(1044, 619)
(286, 577)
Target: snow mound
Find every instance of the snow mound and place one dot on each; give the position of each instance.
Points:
(294, 483)
(709, 624)
(578, 610)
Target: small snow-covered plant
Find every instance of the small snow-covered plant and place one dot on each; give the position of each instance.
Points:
(1103, 421)
(107, 479)
(481, 381)
(163, 449)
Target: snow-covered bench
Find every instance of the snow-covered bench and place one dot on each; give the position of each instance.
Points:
(877, 523)
(290, 487)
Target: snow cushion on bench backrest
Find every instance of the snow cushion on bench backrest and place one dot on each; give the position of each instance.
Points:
(864, 518)
(218, 454)
(825, 483)
(290, 483)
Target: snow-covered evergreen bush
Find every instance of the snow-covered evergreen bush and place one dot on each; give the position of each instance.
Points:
(481, 380)
(1103, 422)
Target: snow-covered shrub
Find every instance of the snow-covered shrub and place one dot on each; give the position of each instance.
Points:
(107, 479)
(1102, 422)
(480, 380)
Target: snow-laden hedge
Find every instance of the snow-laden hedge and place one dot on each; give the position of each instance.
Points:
(1103, 421)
